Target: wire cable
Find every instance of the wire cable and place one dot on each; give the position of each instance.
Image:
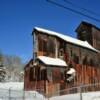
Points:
(72, 10)
(87, 10)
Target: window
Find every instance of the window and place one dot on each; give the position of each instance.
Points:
(61, 54)
(44, 46)
(43, 74)
(91, 62)
(42, 42)
(50, 46)
(38, 73)
(85, 62)
(31, 74)
(76, 59)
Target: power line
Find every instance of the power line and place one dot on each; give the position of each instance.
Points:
(74, 11)
(87, 10)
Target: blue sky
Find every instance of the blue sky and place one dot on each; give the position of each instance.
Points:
(18, 17)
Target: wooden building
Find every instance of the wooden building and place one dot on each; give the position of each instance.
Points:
(60, 62)
(90, 33)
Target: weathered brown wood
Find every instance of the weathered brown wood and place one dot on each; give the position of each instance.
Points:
(84, 76)
(84, 61)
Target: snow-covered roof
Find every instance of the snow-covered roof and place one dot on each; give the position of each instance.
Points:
(71, 71)
(52, 61)
(66, 38)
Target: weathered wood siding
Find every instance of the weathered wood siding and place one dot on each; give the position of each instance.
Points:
(84, 75)
(84, 61)
(54, 47)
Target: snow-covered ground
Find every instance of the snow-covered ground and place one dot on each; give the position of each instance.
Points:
(85, 96)
(12, 85)
(67, 97)
(14, 91)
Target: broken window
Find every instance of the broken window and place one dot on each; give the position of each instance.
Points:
(51, 45)
(42, 42)
(46, 44)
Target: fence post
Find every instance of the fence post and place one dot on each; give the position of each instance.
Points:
(23, 95)
(80, 91)
(9, 93)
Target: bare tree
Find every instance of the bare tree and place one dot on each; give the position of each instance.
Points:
(14, 68)
(2, 69)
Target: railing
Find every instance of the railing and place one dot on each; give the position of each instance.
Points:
(10, 94)
(81, 92)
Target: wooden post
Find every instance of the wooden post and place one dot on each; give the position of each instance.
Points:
(80, 90)
(9, 93)
(56, 48)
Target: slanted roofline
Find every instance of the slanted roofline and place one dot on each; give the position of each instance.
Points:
(30, 62)
(66, 38)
